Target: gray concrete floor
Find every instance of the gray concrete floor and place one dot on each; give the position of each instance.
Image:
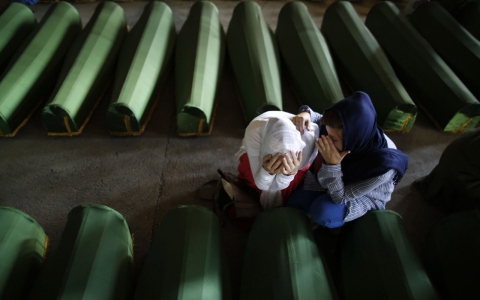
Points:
(144, 177)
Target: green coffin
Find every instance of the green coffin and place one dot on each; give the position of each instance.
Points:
(458, 48)
(469, 18)
(452, 255)
(141, 70)
(255, 60)
(186, 259)
(307, 58)
(86, 72)
(365, 67)
(454, 183)
(32, 71)
(379, 262)
(424, 74)
(16, 22)
(282, 260)
(92, 261)
(198, 66)
(23, 245)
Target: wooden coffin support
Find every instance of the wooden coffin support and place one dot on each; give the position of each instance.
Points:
(82, 63)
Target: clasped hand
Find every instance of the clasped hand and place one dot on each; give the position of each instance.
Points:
(282, 163)
(329, 152)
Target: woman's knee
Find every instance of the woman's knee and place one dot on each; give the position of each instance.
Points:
(325, 212)
(301, 199)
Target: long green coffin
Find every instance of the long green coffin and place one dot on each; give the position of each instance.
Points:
(32, 71)
(186, 259)
(141, 70)
(451, 255)
(199, 59)
(16, 22)
(23, 244)
(379, 262)
(92, 261)
(454, 183)
(86, 72)
(365, 67)
(424, 74)
(255, 60)
(458, 48)
(307, 58)
(469, 18)
(282, 260)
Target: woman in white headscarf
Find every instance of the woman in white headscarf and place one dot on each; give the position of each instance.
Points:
(275, 156)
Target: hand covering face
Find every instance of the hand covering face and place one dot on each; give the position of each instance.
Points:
(369, 154)
(281, 136)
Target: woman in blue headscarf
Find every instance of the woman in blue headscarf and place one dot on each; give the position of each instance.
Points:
(360, 167)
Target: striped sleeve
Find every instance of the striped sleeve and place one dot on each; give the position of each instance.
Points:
(330, 177)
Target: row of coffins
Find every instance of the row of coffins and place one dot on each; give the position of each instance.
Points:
(94, 257)
(430, 58)
(186, 260)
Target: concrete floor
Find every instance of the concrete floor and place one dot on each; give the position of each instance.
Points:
(144, 177)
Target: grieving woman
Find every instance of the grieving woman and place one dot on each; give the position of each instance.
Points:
(274, 156)
(360, 167)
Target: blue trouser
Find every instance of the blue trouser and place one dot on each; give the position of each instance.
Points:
(319, 206)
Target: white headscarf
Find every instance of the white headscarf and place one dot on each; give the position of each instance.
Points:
(281, 136)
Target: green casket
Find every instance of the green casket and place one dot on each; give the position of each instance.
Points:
(469, 18)
(365, 67)
(255, 60)
(282, 260)
(23, 244)
(92, 261)
(454, 183)
(142, 67)
(86, 72)
(16, 22)
(379, 262)
(199, 59)
(31, 73)
(451, 255)
(458, 48)
(186, 259)
(307, 58)
(424, 74)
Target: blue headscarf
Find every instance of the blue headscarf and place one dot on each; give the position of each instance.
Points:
(369, 154)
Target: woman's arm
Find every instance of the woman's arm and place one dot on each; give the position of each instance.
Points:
(330, 177)
(314, 116)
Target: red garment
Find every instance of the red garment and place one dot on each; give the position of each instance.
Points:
(245, 174)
